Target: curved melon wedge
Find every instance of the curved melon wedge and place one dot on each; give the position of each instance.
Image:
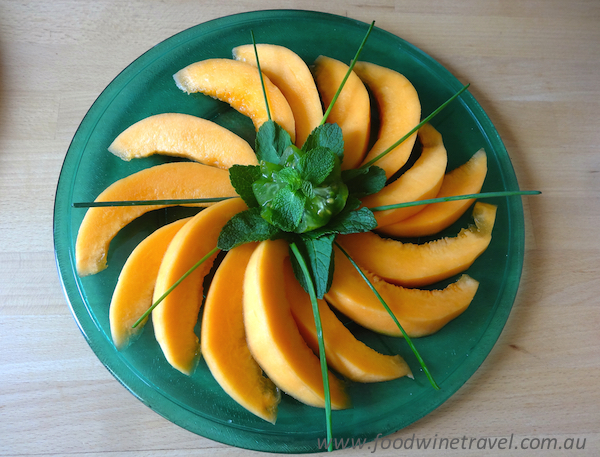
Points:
(464, 180)
(133, 293)
(223, 339)
(421, 181)
(183, 135)
(167, 181)
(399, 113)
(272, 334)
(352, 110)
(175, 317)
(415, 265)
(238, 84)
(420, 312)
(291, 75)
(345, 354)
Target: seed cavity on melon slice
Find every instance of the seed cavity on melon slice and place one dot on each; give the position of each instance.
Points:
(223, 339)
(168, 181)
(345, 354)
(238, 83)
(415, 265)
(175, 317)
(292, 76)
(420, 312)
(273, 336)
(183, 135)
(135, 287)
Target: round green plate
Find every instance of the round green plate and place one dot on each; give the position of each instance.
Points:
(197, 403)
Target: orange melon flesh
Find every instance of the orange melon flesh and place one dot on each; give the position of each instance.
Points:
(167, 181)
(175, 317)
(352, 110)
(422, 181)
(133, 293)
(420, 312)
(291, 75)
(238, 84)
(466, 179)
(273, 336)
(345, 354)
(399, 113)
(415, 265)
(183, 135)
(223, 339)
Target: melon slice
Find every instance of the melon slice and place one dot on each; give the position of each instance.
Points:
(420, 312)
(238, 84)
(415, 265)
(167, 181)
(273, 336)
(133, 293)
(399, 113)
(175, 317)
(223, 339)
(421, 181)
(345, 354)
(183, 135)
(352, 110)
(464, 180)
(291, 75)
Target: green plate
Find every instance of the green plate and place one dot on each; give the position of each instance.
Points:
(197, 403)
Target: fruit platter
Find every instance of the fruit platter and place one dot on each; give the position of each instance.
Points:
(241, 361)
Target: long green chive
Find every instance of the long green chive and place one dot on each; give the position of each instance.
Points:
(173, 201)
(387, 308)
(418, 126)
(170, 289)
(339, 90)
(262, 80)
(319, 327)
(505, 193)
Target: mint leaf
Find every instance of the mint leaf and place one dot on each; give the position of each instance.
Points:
(285, 209)
(364, 181)
(246, 227)
(317, 164)
(291, 177)
(346, 222)
(242, 177)
(318, 254)
(328, 136)
(271, 141)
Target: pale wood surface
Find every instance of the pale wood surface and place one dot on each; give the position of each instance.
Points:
(534, 65)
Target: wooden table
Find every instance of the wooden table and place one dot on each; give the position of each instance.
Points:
(534, 66)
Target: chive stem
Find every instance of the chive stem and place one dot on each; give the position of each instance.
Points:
(170, 289)
(319, 327)
(175, 201)
(387, 308)
(505, 193)
(339, 90)
(415, 129)
(262, 80)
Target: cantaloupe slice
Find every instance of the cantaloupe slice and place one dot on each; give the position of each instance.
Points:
(133, 293)
(175, 317)
(415, 265)
(291, 75)
(421, 181)
(223, 339)
(420, 312)
(399, 113)
(167, 181)
(345, 354)
(464, 180)
(183, 135)
(238, 84)
(273, 336)
(352, 110)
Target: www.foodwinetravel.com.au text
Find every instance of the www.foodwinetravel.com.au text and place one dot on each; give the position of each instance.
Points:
(414, 443)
